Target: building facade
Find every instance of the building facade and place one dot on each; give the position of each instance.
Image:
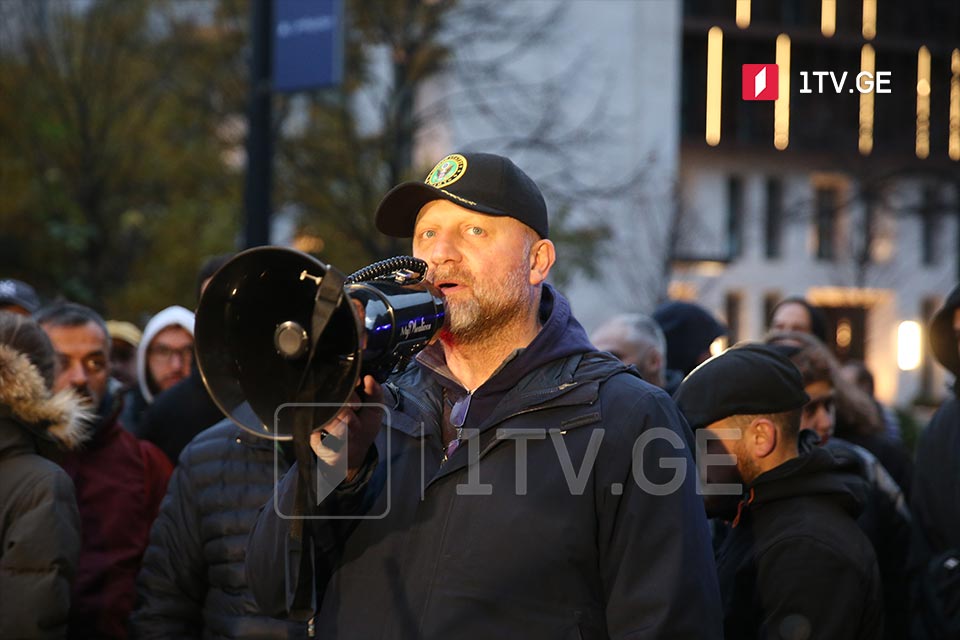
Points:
(849, 198)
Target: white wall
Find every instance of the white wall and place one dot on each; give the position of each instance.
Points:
(898, 287)
(621, 61)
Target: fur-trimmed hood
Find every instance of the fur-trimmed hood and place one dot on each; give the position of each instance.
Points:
(60, 417)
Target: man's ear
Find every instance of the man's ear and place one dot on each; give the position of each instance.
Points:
(762, 437)
(653, 360)
(542, 256)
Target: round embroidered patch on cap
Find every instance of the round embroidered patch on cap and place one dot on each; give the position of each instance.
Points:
(447, 171)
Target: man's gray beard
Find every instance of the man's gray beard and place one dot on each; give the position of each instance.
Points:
(493, 307)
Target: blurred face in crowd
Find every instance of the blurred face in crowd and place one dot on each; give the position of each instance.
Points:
(169, 357)
(482, 264)
(82, 360)
(123, 362)
(791, 317)
(820, 413)
(642, 354)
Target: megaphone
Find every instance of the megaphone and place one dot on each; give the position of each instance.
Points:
(278, 331)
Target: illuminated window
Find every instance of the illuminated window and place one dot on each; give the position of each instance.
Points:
(923, 103)
(743, 13)
(869, 19)
(714, 78)
(828, 17)
(953, 144)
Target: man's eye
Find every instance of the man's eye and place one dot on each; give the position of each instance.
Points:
(429, 233)
(475, 231)
(95, 365)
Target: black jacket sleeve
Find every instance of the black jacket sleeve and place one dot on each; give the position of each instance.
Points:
(655, 552)
(172, 584)
(289, 557)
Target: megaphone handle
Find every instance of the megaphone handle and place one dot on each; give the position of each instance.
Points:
(329, 293)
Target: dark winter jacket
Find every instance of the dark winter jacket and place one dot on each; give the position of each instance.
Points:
(795, 558)
(561, 527)
(39, 521)
(891, 454)
(120, 482)
(886, 521)
(178, 414)
(935, 498)
(192, 583)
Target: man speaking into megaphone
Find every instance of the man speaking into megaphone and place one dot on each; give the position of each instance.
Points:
(514, 489)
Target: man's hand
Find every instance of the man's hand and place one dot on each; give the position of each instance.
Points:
(358, 427)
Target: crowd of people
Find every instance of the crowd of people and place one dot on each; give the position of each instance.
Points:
(519, 478)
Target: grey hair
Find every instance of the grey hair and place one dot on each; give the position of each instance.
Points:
(639, 328)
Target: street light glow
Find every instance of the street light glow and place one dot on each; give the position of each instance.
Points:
(908, 345)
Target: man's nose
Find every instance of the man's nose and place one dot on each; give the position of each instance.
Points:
(444, 249)
(76, 375)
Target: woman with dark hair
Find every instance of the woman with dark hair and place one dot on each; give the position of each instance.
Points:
(39, 521)
(796, 314)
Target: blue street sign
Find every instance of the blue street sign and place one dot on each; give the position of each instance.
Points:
(307, 44)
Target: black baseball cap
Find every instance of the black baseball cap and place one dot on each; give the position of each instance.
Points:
(19, 294)
(484, 182)
(748, 380)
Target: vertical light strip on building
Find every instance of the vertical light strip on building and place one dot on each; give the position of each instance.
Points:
(869, 19)
(923, 103)
(828, 17)
(953, 146)
(714, 77)
(781, 106)
(867, 64)
(743, 13)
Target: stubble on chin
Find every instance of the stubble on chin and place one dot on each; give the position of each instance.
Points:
(488, 310)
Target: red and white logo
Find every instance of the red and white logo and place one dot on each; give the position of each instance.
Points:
(761, 82)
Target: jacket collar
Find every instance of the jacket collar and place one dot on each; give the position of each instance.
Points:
(816, 473)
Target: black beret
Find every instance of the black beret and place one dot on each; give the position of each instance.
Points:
(747, 380)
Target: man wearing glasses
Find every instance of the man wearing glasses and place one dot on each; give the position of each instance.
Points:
(164, 358)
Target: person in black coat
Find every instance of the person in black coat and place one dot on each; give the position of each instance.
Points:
(192, 582)
(935, 498)
(178, 414)
(885, 518)
(794, 564)
(456, 515)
